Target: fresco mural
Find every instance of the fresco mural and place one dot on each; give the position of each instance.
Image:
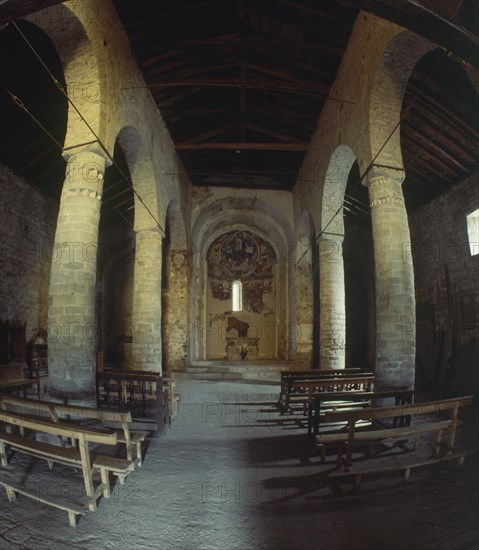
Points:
(241, 256)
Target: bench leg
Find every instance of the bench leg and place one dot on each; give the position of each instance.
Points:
(121, 478)
(105, 481)
(11, 494)
(437, 445)
(128, 452)
(139, 458)
(72, 518)
(357, 481)
(323, 453)
(87, 473)
(3, 454)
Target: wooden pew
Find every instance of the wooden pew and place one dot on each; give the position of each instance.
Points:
(288, 376)
(335, 401)
(12, 379)
(346, 441)
(57, 411)
(78, 456)
(140, 392)
(168, 384)
(302, 391)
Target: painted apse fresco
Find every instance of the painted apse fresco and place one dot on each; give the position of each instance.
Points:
(250, 333)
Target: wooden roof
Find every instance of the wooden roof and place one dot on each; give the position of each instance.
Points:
(241, 84)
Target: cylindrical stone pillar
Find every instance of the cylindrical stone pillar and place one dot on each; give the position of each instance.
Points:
(71, 312)
(395, 301)
(332, 318)
(146, 348)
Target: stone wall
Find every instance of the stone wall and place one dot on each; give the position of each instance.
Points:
(175, 305)
(27, 231)
(447, 290)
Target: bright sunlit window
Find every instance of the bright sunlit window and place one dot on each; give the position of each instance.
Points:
(473, 231)
(237, 295)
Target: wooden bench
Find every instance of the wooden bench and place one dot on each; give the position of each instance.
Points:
(12, 379)
(78, 456)
(57, 411)
(71, 508)
(346, 441)
(302, 391)
(168, 384)
(335, 401)
(288, 376)
(140, 392)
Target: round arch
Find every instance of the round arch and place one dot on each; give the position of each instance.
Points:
(237, 213)
(84, 74)
(386, 98)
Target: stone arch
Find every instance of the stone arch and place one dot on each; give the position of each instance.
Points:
(82, 67)
(332, 322)
(334, 188)
(235, 213)
(386, 98)
(394, 275)
(142, 177)
(175, 269)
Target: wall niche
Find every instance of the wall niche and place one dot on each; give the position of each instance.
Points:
(241, 255)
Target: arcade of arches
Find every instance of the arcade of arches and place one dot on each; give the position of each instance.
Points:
(146, 277)
(146, 272)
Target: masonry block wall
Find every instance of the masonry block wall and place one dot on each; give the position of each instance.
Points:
(27, 229)
(174, 306)
(360, 296)
(116, 256)
(447, 290)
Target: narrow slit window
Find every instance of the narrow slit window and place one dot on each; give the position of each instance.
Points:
(473, 231)
(237, 295)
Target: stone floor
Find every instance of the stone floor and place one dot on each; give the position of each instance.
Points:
(231, 474)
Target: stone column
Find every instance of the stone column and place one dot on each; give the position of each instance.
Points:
(395, 301)
(146, 347)
(71, 312)
(332, 318)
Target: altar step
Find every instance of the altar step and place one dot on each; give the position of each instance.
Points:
(258, 372)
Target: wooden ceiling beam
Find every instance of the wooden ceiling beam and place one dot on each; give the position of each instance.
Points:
(272, 133)
(209, 134)
(431, 144)
(297, 87)
(241, 41)
(243, 146)
(178, 111)
(323, 14)
(171, 99)
(283, 75)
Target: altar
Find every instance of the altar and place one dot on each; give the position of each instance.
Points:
(241, 348)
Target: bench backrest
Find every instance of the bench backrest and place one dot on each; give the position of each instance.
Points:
(320, 373)
(36, 406)
(400, 410)
(363, 381)
(133, 389)
(102, 436)
(11, 373)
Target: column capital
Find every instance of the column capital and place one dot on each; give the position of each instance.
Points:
(378, 175)
(328, 237)
(85, 171)
(153, 230)
(91, 148)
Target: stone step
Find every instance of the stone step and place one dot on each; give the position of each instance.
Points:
(267, 372)
(228, 377)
